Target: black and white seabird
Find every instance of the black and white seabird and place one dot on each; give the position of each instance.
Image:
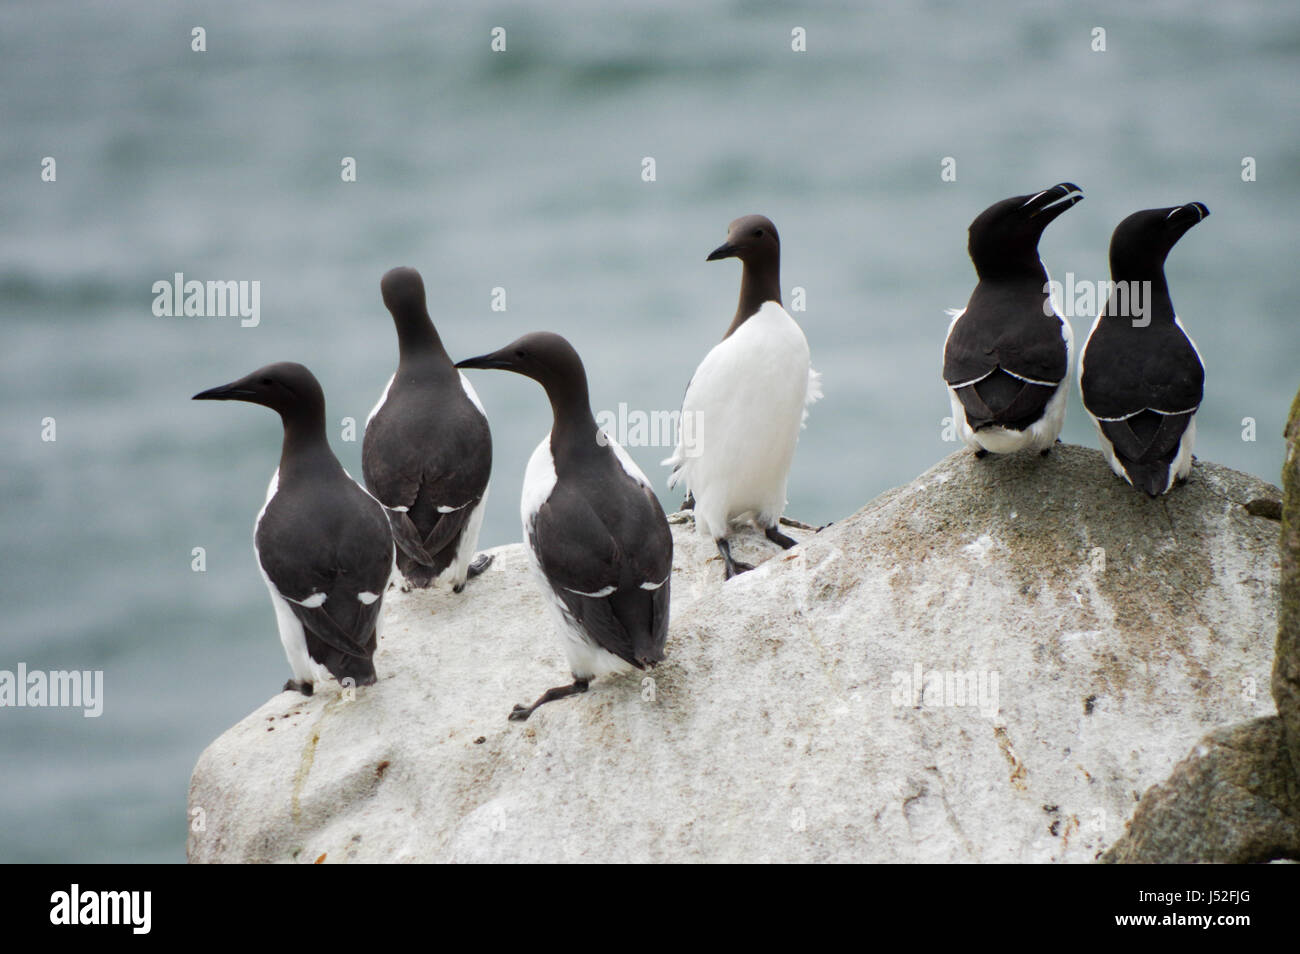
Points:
(1140, 375)
(597, 537)
(1006, 358)
(323, 544)
(746, 402)
(427, 453)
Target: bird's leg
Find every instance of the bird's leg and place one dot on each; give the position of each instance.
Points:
(981, 454)
(304, 687)
(1047, 450)
(733, 566)
(689, 502)
(480, 563)
(800, 526)
(520, 713)
(779, 538)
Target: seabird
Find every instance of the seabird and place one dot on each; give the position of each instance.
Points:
(746, 402)
(1140, 374)
(597, 538)
(1007, 354)
(427, 453)
(323, 544)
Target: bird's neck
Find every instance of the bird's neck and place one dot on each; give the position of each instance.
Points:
(998, 292)
(759, 283)
(574, 434)
(306, 449)
(418, 343)
(1021, 269)
(1140, 294)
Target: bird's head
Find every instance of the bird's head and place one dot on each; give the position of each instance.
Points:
(1004, 237)
(285, 387)
(752, 239)
(1140, 243)
(543, 356)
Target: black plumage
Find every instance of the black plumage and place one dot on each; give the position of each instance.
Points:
(1141, 377)
(323, 543)
(1007, 354)
(596, 531)
(321, 533)
(427, 451)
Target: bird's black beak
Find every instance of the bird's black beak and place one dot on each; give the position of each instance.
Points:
(495, 360)
(1189, 214)
(227, 392)
(1050, 203)
(725, 250)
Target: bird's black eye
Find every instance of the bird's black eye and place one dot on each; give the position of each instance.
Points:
(758, 233)
(519, 352)
(267, 382)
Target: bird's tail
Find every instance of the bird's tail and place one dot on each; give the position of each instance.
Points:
(677, 462)
(812, 394)
(674, 478)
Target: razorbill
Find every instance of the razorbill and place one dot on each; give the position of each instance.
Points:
(323, 544)
(1140, 375)
(746, 402)
(1007, 354)
(597, 538)
(427, 453)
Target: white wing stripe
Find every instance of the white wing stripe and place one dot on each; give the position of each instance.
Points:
(596, 595)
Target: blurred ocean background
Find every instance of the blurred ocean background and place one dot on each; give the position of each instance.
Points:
(523, 170)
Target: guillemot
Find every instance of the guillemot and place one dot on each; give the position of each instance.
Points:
(597, 537)
(746, 402)
(427, 452)
(1140, 374)
(1006, 357)
(323, 544)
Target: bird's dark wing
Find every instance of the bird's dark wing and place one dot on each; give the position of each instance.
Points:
(1147, 437)
(342, 548)
(339, 625)
(407, 536)
(1011, 327)
(435, 463)
(1128, 369)
(609, 564)
(448, 527)
(1005, 401)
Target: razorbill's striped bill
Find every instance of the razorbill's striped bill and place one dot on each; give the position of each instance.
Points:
(1140, 374)
(1007, 354)
(427, 453)
(746, 402)
(323, 544)
(597, 537)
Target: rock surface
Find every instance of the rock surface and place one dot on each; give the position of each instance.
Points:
(1103, 634)
(1236, 798)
